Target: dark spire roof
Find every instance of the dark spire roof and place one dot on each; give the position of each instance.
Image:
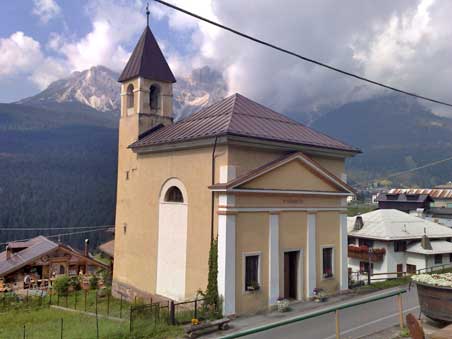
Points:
(147, 61)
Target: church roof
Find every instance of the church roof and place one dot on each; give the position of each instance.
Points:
(237, 115)
(147, 61)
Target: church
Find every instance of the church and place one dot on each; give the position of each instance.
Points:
(271, 190)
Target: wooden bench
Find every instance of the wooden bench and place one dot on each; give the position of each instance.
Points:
(192, 330)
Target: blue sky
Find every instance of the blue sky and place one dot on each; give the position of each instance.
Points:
(34, 24)
(404, 43)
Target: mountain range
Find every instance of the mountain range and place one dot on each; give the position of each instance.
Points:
(58, 149)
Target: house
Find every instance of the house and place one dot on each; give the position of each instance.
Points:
(398, 242)
(41, 259)
(406, 201)
(440, 202)
(271, 190)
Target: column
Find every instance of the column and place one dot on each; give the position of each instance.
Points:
(344, 252)
(273, 259)
(226, 262)
(311, 269)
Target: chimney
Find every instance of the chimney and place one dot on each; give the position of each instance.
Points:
(9, 252)
(359, 223)
(86, 247)
(425, 241)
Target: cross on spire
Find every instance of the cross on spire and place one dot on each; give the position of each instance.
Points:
(147, 13)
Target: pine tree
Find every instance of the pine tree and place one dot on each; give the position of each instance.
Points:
(212, 284)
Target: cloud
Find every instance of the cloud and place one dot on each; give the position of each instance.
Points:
(46, 9)
(114, 25)
(404, 43)
(18, 54)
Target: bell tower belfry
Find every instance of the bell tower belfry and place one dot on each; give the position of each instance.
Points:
(146, 89)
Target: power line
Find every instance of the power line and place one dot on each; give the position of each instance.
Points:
(262, 42)
(15, 228)
(52, 236)
(396, 174)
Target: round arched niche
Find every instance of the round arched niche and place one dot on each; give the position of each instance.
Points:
(172, 233)
(170, 188)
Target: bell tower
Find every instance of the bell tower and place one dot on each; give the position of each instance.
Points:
(146, 89)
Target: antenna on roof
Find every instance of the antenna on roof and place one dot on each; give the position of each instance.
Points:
(147, 13)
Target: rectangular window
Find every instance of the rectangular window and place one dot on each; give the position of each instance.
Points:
(327, 262)
(252, 273)
(410, 269)
(364, 267)
(351, 241)
(438, 259)
(450, 257)
(399, 246)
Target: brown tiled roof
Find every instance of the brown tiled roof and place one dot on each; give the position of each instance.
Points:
(38, 247)
(240, 116)
(108, 248)
(246, 177)
(435, 193)
(147, 61)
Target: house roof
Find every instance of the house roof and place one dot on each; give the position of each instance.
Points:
(312, 164)
(36, 248)
(108, 248)
(391, 224)
(147, 61)
(403, 197)
(33, 249)
(438, 247)
(237, 115)
(435, 193)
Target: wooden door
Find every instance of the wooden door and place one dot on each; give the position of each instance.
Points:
(291, 274)
(399, 270)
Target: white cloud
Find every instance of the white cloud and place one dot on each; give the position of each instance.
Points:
(114, 25)
(404, 43)
(46, 9)
(18, 54)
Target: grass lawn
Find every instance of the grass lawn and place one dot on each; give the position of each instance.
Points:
(45, 323)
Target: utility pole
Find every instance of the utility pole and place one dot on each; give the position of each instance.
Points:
(370, 251)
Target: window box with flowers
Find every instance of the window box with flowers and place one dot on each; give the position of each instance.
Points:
(362, 252)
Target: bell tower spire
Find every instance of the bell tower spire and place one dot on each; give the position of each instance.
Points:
(146, 88)
(147, 14)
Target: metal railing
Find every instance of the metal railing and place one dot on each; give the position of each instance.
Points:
(334, 309)
(362, 277)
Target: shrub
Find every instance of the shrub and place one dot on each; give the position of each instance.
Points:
(61, 284)
(93, 282)
(74, 282)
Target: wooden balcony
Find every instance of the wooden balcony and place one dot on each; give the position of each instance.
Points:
(362, 253)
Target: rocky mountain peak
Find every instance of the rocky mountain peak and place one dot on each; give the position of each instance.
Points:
(98, 88)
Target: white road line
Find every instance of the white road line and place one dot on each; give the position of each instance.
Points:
(372, 322)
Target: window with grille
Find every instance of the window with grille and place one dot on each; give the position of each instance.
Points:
(327, 262)
(251, 272)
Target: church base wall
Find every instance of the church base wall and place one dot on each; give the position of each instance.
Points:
(131, 293)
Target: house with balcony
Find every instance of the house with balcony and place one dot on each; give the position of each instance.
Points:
(393, 241)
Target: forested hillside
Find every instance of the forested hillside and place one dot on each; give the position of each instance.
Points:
(58, 169)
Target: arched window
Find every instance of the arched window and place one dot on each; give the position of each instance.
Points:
(174, 195)
(154, 97)
(130, 96)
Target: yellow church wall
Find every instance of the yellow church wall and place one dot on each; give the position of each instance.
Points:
(136, 251)
(291, 176)
(328, 234)
(286, 200)
(334, 165)
(292, 236)
(246, 159)
(251, 237)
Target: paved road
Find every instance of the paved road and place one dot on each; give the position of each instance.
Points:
(355, 322)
